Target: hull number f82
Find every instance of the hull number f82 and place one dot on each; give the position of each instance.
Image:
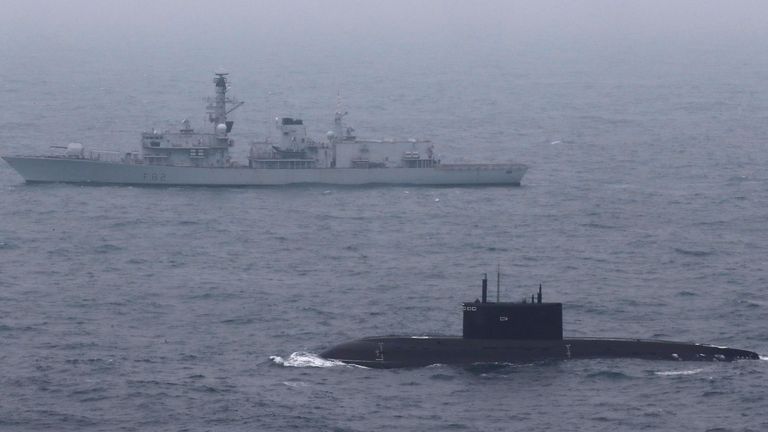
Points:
(154, 177)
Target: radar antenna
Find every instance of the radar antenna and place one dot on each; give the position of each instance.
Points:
(217, 105)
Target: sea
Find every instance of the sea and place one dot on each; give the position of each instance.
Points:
(644, 211)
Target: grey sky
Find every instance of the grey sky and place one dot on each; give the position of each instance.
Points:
(192, 21)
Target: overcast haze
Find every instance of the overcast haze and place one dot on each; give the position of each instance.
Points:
(292, 57)
(233, 22)
(550, 33)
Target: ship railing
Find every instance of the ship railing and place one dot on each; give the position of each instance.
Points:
(476, 167)
(597, 338)
(104, 156)
(262, 155)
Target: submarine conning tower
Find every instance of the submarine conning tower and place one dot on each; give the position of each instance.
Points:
(508, 320)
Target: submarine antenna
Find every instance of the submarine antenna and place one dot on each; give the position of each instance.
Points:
(485, 287)
(539, 295)
(498, 283)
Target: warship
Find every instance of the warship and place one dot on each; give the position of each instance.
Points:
(510, 332)
(188, 157)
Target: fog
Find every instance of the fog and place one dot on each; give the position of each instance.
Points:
(422, 56)
(243, 23)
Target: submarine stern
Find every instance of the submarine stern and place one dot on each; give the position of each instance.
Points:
(586, 348)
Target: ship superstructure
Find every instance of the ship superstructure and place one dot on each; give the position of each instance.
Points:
(189, 148)
(342, 149)
(189, 157)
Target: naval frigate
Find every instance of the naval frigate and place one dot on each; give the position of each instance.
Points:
(188, 157)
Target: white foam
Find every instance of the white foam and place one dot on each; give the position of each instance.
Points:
(305, 359)
(762, 357)
(676, 373)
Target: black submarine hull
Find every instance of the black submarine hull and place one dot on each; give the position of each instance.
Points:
(418, 351)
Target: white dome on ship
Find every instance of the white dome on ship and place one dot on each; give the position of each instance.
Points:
(221, 129)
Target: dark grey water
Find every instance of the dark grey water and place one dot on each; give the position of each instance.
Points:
(644, 212)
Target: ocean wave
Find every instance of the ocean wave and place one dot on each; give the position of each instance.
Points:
(495, 368)
(106, 248)
(305, 359)
(611, 375)
(691, 252)
(678, 372)
(441, 376)
(295, 384)
(7, 245)
(743, 178)
(597, 225)
(239, 321)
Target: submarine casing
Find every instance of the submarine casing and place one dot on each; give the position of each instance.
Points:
(418, 351)
(516, 333)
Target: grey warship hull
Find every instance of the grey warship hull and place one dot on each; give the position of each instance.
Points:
(191, 158)
(55, 169)
(399, 351)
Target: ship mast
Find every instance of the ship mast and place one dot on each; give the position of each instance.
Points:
(217, 106)
(338, 125)
(340, 131)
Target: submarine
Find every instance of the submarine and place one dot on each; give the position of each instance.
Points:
(515, 333)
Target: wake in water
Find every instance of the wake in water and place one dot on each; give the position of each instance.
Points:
(305, 359)
(680, 372)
